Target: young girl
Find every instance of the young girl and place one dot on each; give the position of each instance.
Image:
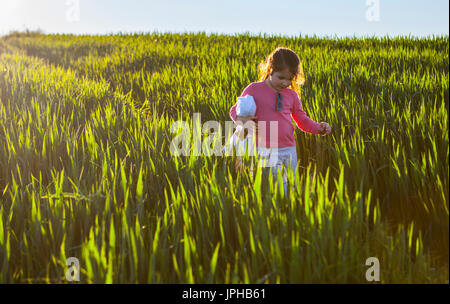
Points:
(277, 100)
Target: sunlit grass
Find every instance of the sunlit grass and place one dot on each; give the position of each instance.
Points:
(86, 169)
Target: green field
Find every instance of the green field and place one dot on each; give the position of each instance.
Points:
(86, 169)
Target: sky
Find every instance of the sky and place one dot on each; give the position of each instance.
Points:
(331, 18)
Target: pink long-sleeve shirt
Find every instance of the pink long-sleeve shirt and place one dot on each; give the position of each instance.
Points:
(265, 99)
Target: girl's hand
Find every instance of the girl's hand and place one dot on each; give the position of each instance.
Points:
(324, 129)
(244, 119)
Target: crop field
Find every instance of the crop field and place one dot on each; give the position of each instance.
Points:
(86, 169)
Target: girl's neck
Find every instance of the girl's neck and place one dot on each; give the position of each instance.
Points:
(270, 84)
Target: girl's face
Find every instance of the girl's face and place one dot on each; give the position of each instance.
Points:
(281, 80)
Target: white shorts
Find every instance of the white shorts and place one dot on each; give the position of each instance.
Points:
(277, 159)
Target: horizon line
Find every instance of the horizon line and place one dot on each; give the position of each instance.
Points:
(216, 33)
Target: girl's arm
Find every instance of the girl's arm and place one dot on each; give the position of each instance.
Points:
(302, 120)
(233, 112)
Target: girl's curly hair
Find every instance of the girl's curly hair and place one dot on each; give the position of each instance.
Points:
(280, 59)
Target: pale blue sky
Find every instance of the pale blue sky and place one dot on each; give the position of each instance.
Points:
(287, 17)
